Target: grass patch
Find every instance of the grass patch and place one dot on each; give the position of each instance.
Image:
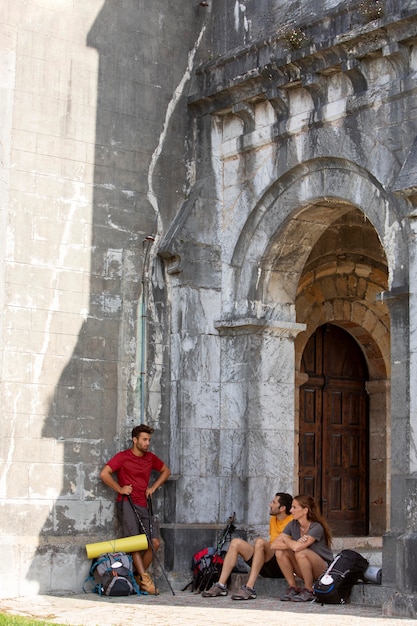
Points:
(16, 620)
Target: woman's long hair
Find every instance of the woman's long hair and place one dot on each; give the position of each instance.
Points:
(314, 515)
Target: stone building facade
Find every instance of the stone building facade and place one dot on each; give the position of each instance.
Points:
(214, 205)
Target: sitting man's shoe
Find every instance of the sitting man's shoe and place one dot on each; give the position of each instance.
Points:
(145, 584)
(289, 594)
(305, 595)
(244, 593)
(215, 591)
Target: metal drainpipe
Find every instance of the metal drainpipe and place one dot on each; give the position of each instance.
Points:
(149, 239)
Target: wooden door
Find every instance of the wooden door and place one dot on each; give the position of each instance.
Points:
(333, 437)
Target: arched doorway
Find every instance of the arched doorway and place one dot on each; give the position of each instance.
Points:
(334, 429)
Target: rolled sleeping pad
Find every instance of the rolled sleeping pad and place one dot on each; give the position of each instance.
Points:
(373, 575)
(136, 543)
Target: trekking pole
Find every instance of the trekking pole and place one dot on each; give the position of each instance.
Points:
(208, 574)
(142, 527)
(150, 509)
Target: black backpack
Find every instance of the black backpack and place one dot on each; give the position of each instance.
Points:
(112, 575)
(335, 585)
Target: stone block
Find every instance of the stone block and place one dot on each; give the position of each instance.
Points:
(233, 452)
(389, 558)
(182, 541)
(17, 366)
(15, 477)
(411, 498)
(22, 520)
(401, 604)
(14, 426)
(400, 444)
(237, 580)
(406, 574)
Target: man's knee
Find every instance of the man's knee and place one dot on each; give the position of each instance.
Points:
(236, 544)
(240, 547)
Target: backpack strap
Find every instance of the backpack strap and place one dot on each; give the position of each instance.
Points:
(89, 578)
(136, 586)
(96, 587)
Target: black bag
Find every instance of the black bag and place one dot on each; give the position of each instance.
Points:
(335, 585)
(112, 575)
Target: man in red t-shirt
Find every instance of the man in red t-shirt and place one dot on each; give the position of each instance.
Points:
(133, 468)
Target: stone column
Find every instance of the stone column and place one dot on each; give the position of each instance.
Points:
(257, 415)
(379, 456)
(399, 431)
(400, 545)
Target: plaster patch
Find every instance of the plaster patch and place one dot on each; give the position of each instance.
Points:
(153, 200)
(110, 304)
(236, 15)
(188, 343)
(7, 462)
(390, 245)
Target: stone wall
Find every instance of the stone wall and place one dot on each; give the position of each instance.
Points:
(183, 189)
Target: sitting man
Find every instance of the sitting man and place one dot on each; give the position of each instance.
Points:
(260, 557)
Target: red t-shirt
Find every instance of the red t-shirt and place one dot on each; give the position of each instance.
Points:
(136, 471)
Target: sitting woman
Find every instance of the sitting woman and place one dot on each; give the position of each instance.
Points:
(303, 548)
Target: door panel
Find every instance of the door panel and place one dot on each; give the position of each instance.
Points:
(334, 430)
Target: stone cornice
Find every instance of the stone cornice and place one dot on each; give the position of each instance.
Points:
(266, 68)
(256, 326)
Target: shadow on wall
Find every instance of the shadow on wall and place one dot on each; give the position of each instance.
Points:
(142, 55)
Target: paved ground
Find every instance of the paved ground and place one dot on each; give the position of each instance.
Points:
(186, 608)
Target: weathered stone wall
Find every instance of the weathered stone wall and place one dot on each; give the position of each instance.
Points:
(300, 116)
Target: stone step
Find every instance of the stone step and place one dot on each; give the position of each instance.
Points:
(369, 547)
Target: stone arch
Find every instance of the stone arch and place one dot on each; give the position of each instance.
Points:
(339, 285)
(281, 230)
(268, 274)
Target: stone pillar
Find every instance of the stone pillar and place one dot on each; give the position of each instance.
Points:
(237, 449)
(257, 415)
(400, 546)
(379, 456)
(399, 433)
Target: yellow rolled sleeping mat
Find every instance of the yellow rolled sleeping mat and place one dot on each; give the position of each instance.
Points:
(136, 543)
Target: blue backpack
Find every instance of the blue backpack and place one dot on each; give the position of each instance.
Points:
(112, 575)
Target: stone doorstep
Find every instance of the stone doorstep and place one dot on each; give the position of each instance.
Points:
(366, 594)
(369, 547)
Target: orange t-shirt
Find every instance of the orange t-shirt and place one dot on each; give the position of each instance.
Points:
(276, 526)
